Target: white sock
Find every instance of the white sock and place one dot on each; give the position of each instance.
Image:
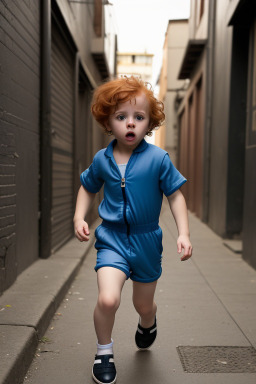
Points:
(105, 349)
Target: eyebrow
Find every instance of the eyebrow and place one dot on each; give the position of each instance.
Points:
(120, 111)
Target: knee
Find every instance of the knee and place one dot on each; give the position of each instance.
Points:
(144, 310)
(108, 303)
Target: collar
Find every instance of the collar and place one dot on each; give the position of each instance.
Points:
(141, 147)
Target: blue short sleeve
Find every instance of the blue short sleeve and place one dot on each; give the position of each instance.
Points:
(170, 178)
(90, 178)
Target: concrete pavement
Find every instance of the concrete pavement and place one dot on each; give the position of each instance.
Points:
(209, 300)
(29, 305)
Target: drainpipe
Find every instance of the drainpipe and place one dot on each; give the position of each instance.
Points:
(45, 132)
(208, 109)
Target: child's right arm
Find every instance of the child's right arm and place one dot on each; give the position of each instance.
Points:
(83, 203)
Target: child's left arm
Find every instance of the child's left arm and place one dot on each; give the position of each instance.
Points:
(179, 210)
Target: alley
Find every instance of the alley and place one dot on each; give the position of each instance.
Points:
(207, 301)
(199, 56)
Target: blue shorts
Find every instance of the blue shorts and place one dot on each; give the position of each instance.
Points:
(138, 255)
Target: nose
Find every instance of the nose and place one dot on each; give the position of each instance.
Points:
(130, 123)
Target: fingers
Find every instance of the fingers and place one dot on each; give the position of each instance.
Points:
(187, 253)
(82, 231)
(187, 247)
(185, 257)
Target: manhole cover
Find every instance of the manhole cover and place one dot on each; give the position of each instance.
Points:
(217, 359)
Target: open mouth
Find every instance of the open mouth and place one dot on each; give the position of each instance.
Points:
(130, 135)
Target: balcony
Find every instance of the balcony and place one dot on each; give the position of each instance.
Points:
(193, 52)
(99, 55)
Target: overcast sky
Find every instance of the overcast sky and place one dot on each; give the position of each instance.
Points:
(141, 25)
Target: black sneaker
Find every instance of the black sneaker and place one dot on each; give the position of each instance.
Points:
(145, 337)
(104, 370)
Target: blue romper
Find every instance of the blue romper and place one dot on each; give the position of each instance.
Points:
(129, 237)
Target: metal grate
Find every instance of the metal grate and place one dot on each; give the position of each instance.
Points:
(217, 359)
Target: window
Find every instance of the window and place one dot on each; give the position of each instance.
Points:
(199, 11)
(97, 22)
(124, 59)
(143, 59)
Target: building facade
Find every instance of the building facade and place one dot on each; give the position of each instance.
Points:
(172, 90)
(217, 150)
(137, 64)
(53, 54)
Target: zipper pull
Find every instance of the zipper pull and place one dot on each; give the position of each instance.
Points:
(123, 182)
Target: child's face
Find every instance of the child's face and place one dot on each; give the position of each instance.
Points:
(130, 122)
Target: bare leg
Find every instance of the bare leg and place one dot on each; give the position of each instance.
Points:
(110, 284)
(143, 301)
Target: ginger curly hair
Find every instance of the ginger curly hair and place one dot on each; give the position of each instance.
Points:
(108, 95)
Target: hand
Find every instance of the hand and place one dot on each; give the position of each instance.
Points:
(81, 230)
(183, 242)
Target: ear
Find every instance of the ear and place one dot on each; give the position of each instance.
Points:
(150, 127)
(107, 126)
(108, 129)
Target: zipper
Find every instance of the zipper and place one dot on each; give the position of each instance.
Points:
(125, 204)
(123, 193)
